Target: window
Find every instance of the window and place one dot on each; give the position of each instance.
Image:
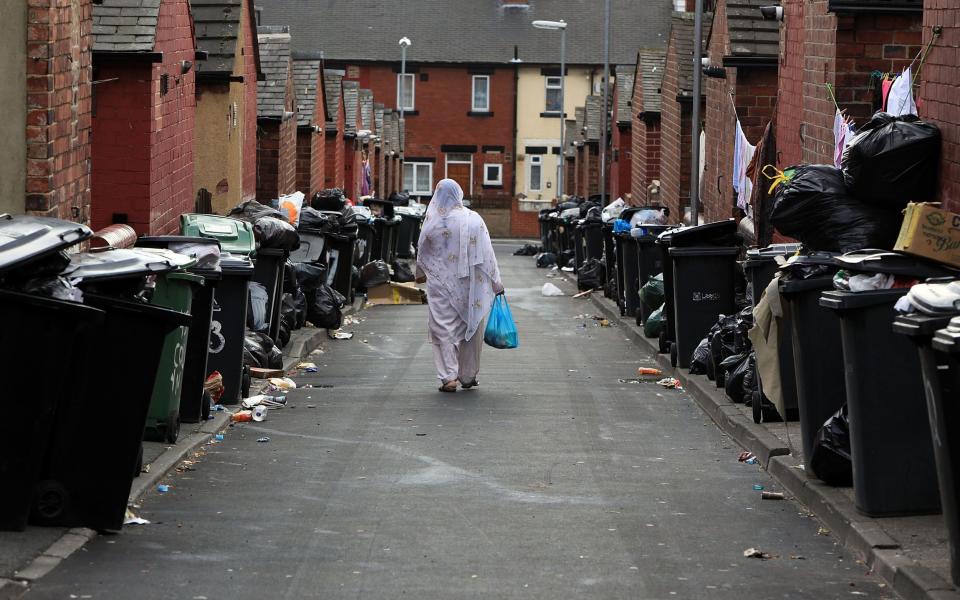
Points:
(534, 172)
(492, 174)
(553, 94)
(418, 178)
(405, 91)
(481, 93)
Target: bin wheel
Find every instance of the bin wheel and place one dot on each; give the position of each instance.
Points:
(172, 430)
(664, 344)
(673, 354)
(245, 383)
(756, 403)
(50, 502)
(205, 403)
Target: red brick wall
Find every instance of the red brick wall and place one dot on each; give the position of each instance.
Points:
(940, 102)
(442, 99)
(58, 73)
(143, 142)
(524, 224)
(304, 159)
(620, 174)
(790, 83)
(333, 175)
(674, 140)
(249, 155)
(645, 166)
(268, 159)
(287, 176)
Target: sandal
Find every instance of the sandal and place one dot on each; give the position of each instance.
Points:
(469, 384)
(446, 387)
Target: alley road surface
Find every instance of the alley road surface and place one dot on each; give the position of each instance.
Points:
(553, 479)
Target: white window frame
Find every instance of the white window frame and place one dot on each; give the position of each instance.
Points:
(413, 90)
(473, 94)
(547, 87)
(498, 180)
(531, 160)
(417, 166)
(457, 161)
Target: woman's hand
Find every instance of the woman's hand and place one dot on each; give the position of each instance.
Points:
(497, 287)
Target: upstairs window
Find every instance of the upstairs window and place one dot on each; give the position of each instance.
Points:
(553, 85)
(405, 91)
(481, 93)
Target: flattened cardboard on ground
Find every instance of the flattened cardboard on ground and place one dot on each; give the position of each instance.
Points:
(930, 231)
(396, 293)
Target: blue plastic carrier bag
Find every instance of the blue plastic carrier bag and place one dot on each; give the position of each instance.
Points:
(501, 331)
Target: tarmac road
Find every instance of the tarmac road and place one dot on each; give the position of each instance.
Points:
(553, 479)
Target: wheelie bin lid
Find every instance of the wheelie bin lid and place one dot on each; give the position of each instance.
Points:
(796, 286)
(172, 318)
(179, 261)
(844, 300)
(948, 338)
(919, 324)
(24, 238)
(119, 264)
(894, 263)
(692, 235)
(705, 251)
(205, 250)
(234, 236)
(384, 207)
(758, 256)
(235, 264)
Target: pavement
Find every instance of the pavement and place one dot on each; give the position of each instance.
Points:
(561, 476)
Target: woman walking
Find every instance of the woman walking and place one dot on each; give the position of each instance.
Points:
(455, 258)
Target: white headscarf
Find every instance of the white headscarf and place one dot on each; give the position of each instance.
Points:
(456, 253)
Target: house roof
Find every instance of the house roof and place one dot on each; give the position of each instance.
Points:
(624, 83)
(650, 65)
(750, 34)
(217, 24)
(366, 110)
(351, 91)
(488, 34)
(125, 25)
(275, 61)
(305, 74)
(332, 88)
(682, 35)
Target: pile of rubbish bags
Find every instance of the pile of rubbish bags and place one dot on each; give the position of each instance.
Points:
(890, 162)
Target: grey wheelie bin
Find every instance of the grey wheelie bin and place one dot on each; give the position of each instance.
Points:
(91, 463)
(944, 415)
(194, 406)
(37, 330)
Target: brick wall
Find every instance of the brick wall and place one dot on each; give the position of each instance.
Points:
(143, 142)
(524, 224)
(249, 154)
(442, 100)
(58, 76)
(940, 102)
(333, 174)
(674, 140)
(287, 176)
(790, 82)
(318, 161)
(268, 159)
(621, 156)
(304, 159)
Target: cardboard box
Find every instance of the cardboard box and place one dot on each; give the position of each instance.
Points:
(396, 293)
(931, 232)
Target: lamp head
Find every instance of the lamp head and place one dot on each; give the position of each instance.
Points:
(405, 42)
(550, 25)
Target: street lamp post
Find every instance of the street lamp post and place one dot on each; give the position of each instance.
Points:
(606, 103)
(404, 44)
(560, 26)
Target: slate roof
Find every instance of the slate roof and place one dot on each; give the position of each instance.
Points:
(217, 26)
(750, 34)
(275, 62)
(305, 73)
(125, 25)
(682, 34)
(650, 65)
(465, 31)
(624, 83)
(366, 110)
(351, 92)
(332, 88)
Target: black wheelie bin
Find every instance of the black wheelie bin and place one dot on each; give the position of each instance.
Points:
(945, 424)
(97, 440)
(38, 330)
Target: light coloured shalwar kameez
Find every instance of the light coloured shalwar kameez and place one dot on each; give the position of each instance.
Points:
(456, 255)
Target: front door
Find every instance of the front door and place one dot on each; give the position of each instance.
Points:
(460, 169)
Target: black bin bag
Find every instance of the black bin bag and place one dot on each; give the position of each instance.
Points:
(830, 461)
(591, 275)
(324, 306)
(816, 208)
(893, 160)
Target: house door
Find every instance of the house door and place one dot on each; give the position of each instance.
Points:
(460, 169)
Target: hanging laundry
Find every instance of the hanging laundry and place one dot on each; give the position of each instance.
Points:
(365, 179)
(742, 155)
(900, 100)
(885, 86)
(842, 136)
